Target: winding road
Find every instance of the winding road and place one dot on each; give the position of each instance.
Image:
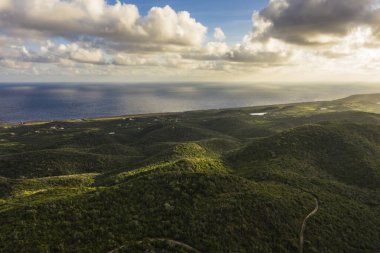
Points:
(304, 223)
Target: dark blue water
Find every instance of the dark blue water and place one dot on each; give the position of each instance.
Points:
(27, 102)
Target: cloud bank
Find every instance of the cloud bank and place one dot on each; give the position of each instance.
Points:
(73, 39)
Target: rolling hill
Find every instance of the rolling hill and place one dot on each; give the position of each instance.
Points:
(231, 180)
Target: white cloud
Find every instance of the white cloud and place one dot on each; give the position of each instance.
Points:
(87, 56)
(120, 23)
(219, 34)
(272, 52)
(130, 60)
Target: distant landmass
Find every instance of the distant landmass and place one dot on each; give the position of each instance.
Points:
(299, 177)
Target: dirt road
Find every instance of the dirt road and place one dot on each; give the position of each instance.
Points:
(304, 223)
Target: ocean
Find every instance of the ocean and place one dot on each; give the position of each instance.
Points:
(58, 101)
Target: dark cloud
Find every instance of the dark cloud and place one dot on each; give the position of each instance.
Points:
(304, 21)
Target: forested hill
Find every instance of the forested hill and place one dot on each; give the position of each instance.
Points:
(231, 180)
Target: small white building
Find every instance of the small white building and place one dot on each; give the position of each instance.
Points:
(258, 113)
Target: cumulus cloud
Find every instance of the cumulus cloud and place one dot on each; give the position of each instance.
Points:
(312, 22)
(272, 52)
(49, 52)
(219, 34)
(166, 60)
(87, 56)
(212, 51)
(264, 54)
(95, 19)
(131, 60)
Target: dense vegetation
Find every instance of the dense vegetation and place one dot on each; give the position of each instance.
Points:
(205, 181)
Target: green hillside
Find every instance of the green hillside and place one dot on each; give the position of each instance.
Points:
(231, 180)
(346, 152)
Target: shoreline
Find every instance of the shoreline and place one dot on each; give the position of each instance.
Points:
(141, 115)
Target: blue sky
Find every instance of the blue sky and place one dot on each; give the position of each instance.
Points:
(234, 17)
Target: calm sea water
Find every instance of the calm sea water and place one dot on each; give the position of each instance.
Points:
(57, 101)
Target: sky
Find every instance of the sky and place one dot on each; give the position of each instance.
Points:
(303, 41)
